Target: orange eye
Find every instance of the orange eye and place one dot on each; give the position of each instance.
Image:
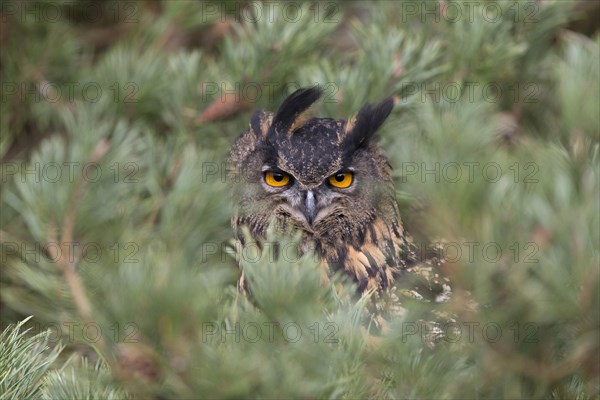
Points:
(276, 179)
(341, 180)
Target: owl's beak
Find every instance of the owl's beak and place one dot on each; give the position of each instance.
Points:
(309, 206)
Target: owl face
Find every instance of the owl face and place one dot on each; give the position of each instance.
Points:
(320, 175)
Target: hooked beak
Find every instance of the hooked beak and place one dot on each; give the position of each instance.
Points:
(309, 206)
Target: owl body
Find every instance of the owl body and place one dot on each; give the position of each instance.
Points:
(328, 179)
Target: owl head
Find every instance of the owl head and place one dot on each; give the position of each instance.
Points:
(324, 176)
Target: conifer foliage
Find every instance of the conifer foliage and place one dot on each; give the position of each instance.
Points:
(117, 266)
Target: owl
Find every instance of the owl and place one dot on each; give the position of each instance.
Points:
(329, 179)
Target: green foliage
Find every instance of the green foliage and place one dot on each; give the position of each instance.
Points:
(81, 382)
(118, 195)
(578, 75)
(24, 362)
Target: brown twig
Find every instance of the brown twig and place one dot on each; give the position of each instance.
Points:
(224, 106)
(63, 260)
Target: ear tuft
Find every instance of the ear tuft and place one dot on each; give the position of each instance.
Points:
(292, 108)
(360, 129)
(260, 122)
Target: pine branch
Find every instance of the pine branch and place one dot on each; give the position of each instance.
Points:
(65, 263)
(24, 362)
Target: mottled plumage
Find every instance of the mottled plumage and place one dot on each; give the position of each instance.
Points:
(356, 229)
